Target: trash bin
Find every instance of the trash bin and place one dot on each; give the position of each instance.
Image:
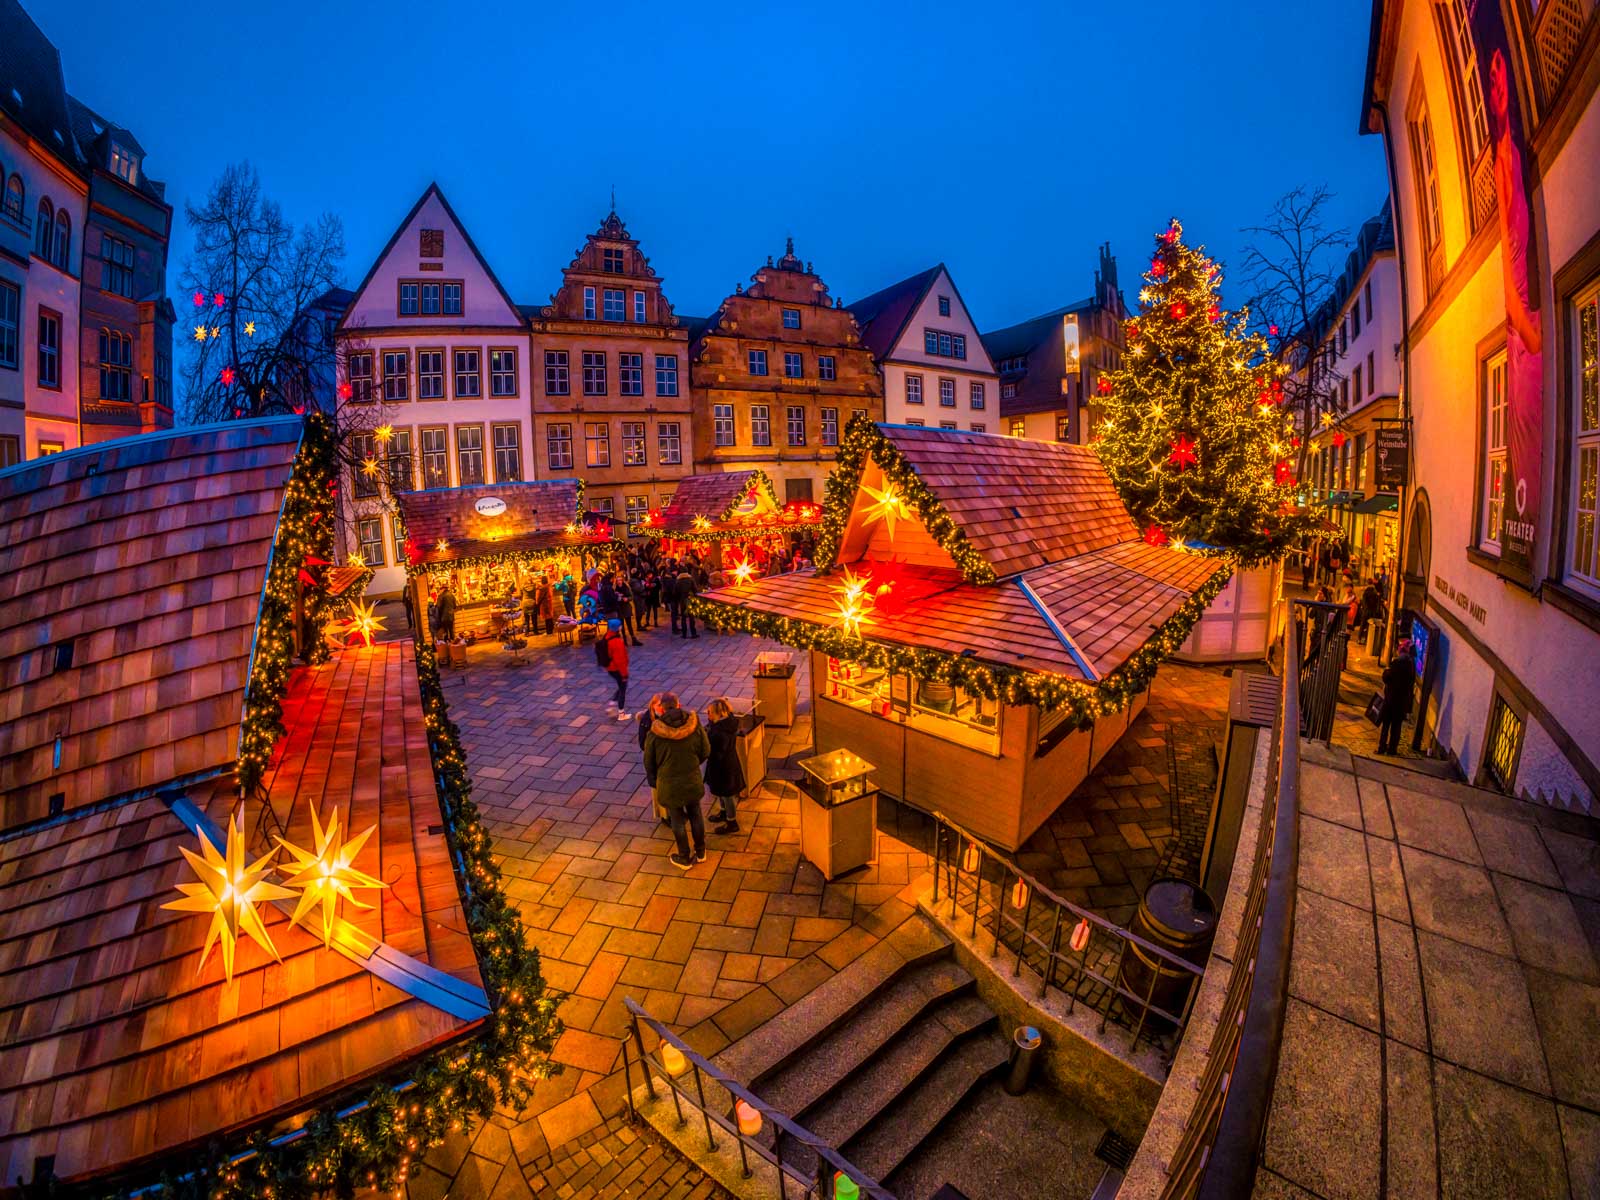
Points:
(751, 744)
(776, 687)
(1025, 1044)
(1374, 637)
(1180, 918)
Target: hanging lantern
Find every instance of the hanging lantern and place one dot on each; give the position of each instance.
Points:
(971, 857)
(1019, 894)
(672, 1060)
(1080, 935)
(749, 1118)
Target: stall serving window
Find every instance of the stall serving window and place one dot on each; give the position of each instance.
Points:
(941, 710)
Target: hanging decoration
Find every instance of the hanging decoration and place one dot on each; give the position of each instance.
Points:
(887, 506)
(229, 890)
(249, 329)
(1183, 454)
(365, 622)
(326, 875)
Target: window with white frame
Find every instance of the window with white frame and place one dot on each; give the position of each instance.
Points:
(603, 506)
(430, 374)
(507, 453)
(722, 424)
(116, 365)
(589, 312)
(826, 370)
(630, 374)
(358, 368)
(370, 533)
(49, 366)
(913, 389)
(669, 443)
(614, 304)
(594, 372)
(979, 427)
(977, 392)
(795, 420)
(503, 372)
(830, 426)
(10, 324)
(557, 374)
(947, 425)
(947, 393)
(397, 528)
(558, 445)
(469, 455)
(452, 299)
(1019, 427)
(635, 509)
(597, 444)
(123, 164)
(1494, 450)
(638, 308)
(633, 448)
(1455, 28)
(760, 425)
(757, 360)
(1586, 446)
(469, 384)
(436, 457)
(431, 303)
(791, 318)
(366, 470)
(666, 374)
(408, 297)
(398, 453)
(793, 365)
(396, 377)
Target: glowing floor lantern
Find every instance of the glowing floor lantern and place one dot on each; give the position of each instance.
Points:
(1080, 935)
(845, 1188)
(970, 858)
(673, 1060)
(749, 1118)
(1019, 894)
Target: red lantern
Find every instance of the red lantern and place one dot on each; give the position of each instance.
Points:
(1080, 935)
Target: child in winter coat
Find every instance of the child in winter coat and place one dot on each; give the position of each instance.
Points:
(615, 648)
(724, 772)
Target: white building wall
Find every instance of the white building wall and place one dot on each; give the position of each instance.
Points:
(909, 358)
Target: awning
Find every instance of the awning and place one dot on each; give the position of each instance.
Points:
(1382, 502)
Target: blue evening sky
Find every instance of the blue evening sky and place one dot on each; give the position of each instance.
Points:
(1006, 140)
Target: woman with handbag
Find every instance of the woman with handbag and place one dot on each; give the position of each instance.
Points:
(1399, 678)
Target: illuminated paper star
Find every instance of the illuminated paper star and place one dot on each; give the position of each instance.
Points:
(200, 333)
(383, 433)
(220, 299)
(356, 559)
(216, 331)
(888, 506)
(199, 299)
(1183, 454)
(742, 572)
(326, 876)
(702, 522)
(442, 545)
(227, 376)
(1327, 419)
(854, 603)
(249, 329)
(364, 620)
(369, 467)
(230, 891)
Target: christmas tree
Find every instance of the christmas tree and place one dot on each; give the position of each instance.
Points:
(1194, 434)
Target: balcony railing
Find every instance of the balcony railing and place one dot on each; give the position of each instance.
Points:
(1077, 952)
(1216, 1157)
(1558, 34)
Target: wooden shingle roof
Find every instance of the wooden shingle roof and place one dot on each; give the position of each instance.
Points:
(115, 1048)
(133, 573)
(535, 518)
(709, 496)
(1021, 503)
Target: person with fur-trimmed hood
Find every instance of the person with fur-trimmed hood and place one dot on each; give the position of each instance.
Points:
(673, 751)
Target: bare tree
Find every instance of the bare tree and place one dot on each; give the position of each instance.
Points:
(253, 276)
(1292, 265)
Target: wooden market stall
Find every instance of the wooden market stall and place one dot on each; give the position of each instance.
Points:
(142, 723)
(733, 511)
(488, 542)
(983, 620)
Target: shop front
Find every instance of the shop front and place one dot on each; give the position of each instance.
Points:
(733, 521)
(982, 646)
(490, 546)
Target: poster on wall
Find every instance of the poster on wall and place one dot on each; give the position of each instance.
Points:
(1392, 455)
(1513, 181)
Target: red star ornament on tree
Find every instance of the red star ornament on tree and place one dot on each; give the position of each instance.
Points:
(1157, 268)
(199, 299)
(344, 391)
(220, 299)
(227, 376)
(1154, 535)
(1103, 387)
(1178, 310)
(1183, 454)
(1282, 471)
(1338, 437)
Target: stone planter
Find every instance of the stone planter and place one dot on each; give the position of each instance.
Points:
(1241, 622)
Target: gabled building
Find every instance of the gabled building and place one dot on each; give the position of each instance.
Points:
(85, 328)
(779, 370)
(1491, 122)
(611, 402)
(431, 359)
(936, 371)
(1051, 364)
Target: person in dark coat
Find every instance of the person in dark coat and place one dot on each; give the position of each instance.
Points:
(682, 588)
(724, 772)
(608, 597)
(1371, 607)
(1399, 678)
(624, 597)
(673, 751)
(411, 607)
(446, 628)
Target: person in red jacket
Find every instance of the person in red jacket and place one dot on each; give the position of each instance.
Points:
(617, 665)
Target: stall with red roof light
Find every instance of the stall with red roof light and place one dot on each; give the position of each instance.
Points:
(732, 520)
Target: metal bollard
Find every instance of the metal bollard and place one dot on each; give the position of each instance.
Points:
(1025, 1046)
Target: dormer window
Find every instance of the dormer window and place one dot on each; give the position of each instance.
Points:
(611, 261)
(944, 306)
(123, 163)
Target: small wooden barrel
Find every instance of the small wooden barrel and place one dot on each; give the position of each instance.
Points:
(1179, 917)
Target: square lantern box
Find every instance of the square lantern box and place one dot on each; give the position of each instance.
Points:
(838, 812)
(751, 744)
(776, 697)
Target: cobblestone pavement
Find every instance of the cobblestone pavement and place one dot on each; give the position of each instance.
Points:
(1444, 993)
(716, 951)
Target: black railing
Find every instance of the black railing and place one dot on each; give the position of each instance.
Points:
(1322, 640)
(1217, 1155)
(1077, 952)
(828, 1165)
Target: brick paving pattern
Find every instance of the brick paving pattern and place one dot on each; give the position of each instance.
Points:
(718, 950)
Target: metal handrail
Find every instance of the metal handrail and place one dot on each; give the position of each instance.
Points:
(830, 1162)
(1105, 988)
(1218, 1153)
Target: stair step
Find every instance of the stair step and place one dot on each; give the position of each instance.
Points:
(901, 1127)
(803, 1080)
(852, 1105)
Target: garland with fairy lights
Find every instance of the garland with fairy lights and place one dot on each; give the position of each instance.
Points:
(517, 558)
(395, 1124)
(862, 440)
(776, 524)
(304, 542)
(1086, 701)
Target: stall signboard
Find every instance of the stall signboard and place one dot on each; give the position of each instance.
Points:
(1392, 456)
(490, 506)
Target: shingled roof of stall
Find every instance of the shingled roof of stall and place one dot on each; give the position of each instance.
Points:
(135, 571)
(1077, 591)
(536, 517)
(713, 497)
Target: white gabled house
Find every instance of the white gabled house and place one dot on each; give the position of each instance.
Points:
(431, 358)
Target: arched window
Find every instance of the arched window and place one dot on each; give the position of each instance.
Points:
(46, 230)
(16, 193)
(63, 240)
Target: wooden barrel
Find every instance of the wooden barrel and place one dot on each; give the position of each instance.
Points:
(1180, 918)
